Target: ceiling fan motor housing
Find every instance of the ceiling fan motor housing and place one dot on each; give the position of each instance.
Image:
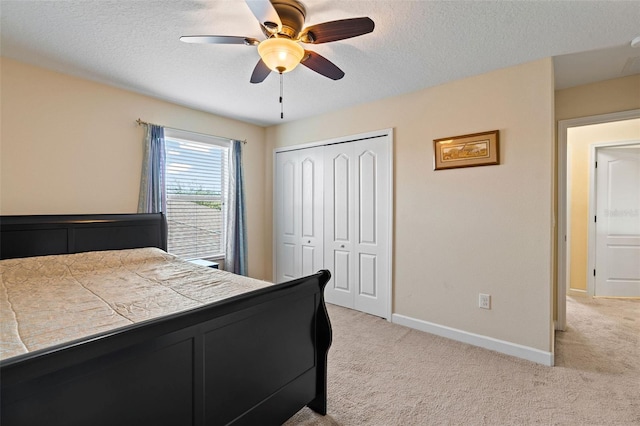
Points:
(292, 14)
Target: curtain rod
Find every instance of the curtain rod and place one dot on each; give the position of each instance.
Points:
(140, 123)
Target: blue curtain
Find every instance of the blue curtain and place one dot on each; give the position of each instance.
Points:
(236, 250)
(153, 196)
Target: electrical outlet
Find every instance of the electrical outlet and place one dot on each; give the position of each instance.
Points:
(484, 301)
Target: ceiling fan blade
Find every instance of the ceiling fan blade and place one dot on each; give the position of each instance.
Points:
(337, 30)
(321, 65)
(216, 39)
(260, 72)
(266, 14)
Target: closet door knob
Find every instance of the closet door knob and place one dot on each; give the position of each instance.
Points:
(341, 245)
(309, 242)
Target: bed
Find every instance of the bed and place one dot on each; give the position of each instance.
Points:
(254, 358)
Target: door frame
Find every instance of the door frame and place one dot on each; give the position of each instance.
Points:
(592, 234)
(391, 207)
(562, 248)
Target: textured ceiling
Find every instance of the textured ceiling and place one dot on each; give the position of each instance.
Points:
(416, 44)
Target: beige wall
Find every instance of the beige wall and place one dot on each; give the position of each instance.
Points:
(72, 146)
(464, 231)
(579, 141)
(620, 94)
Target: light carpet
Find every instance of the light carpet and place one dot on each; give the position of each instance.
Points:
(386, 374)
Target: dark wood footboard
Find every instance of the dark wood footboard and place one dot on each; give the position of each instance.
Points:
(253, 359)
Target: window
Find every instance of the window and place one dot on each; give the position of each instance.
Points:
(197, 177)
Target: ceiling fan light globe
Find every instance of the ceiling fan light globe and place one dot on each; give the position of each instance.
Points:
(280, 54)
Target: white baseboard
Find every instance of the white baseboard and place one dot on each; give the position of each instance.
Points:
(502, 346)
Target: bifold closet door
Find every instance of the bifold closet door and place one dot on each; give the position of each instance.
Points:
(357, 224)
(299, 213)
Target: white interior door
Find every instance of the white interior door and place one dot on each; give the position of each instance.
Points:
(617, 245)
(299, 210)
(357, 224)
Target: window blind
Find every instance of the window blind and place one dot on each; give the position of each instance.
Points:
(197, 178)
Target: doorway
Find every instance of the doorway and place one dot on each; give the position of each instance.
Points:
(566, 270)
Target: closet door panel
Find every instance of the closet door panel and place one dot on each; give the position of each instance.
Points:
(308, 188)
(287, 217)
(339, 220)
(341, 268)
(309, 265)
(367, 198)
(287, 262)
(341, 211)
(299, 208)
(312, 210)
(288, 212)
(367, 271)
(372, 240)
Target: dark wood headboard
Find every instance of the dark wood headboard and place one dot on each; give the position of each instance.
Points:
(26, 236)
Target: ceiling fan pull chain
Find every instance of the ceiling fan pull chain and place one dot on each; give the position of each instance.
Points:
(281, 98)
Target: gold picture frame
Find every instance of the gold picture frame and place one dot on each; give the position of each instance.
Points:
(477, 149)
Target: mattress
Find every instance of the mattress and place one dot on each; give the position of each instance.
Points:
(48, 300)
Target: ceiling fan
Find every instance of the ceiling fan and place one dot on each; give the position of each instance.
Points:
(282, 22)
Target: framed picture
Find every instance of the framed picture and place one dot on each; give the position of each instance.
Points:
(478, 149)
